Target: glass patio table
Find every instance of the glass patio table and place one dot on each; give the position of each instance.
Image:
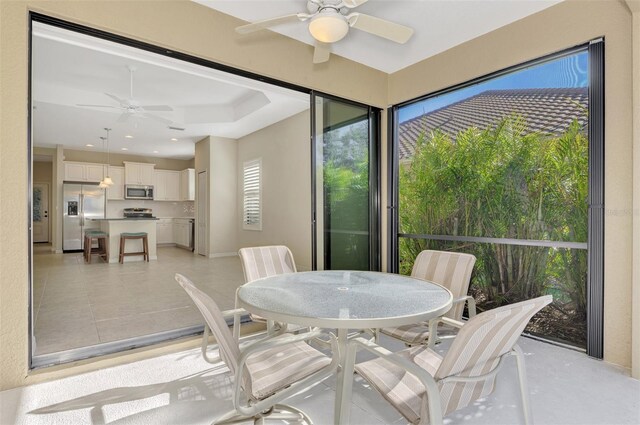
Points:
(344, 300)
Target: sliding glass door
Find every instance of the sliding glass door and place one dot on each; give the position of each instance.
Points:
(345, 179)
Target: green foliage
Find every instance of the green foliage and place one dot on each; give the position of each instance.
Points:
(503, 182)
(346, 196)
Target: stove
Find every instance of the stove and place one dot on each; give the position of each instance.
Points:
(138, 213)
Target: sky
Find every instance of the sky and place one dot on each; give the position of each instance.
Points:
(569, 71)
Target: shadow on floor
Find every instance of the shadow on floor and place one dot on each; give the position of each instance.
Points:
(200, 397)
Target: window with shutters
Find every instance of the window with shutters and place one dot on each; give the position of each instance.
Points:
(252, 200)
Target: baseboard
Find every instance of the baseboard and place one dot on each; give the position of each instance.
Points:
(223, 254)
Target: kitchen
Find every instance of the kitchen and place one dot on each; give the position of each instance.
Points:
(87, 206)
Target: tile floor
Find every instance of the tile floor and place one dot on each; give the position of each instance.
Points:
(79, 305)
(566, 388)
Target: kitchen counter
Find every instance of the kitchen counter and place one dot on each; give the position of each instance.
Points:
(115, 226)
(126, 219)
(176, 218)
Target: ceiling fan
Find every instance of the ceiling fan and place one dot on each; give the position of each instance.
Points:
(330, 20)
(131, 107)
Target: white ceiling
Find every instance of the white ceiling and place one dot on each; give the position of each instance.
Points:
(438, 24)
(71, 69)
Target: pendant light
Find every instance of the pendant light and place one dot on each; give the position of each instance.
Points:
(102, 184)
(107, 181)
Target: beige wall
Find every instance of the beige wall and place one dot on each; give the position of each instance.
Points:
(223, 193)
(217, 156)
(42, 172)
(286, 199)
(557, 28)
(202, 164)
(634, 5)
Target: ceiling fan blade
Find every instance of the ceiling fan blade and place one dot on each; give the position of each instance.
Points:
(117, 99)
(95, 106)
(321, 52)
(157, 118)
(352, 3)
(266, 23)
(380, 27)
(123, 117)
(165, 108)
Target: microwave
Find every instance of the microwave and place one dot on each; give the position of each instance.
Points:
(135, 191)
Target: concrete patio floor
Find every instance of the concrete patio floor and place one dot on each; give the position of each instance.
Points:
(566, 387)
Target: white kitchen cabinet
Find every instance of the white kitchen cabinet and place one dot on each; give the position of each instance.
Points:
(116, 191)
(139, 173)
(182, 232)
(95, 172)
(164, 231)
(166, 185)
(188, 185)
(83, 171)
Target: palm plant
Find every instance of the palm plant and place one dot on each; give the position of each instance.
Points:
(503, 182)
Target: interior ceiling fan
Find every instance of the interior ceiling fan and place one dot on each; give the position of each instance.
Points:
(330, 20)
(131, 107)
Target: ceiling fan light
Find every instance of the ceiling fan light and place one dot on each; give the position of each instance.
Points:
(328, 27)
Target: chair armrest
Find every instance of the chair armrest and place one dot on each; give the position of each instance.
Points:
(235, 313)
(471, 304)
(451, 322)
(310, 380)
(429, 382)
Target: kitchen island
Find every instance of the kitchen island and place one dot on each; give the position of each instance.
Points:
(115, 226)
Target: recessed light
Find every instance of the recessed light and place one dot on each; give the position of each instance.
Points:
(124, 149)
(128, 136)
(174, 139)
(155, 151)
(89, 145)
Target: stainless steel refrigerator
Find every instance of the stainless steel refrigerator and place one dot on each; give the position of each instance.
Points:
(81, 202)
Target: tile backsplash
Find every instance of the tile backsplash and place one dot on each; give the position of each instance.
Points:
(160, 208)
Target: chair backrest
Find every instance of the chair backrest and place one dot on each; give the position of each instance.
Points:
(229, 350)
(449, 269)
(265, 261)
(477, 349)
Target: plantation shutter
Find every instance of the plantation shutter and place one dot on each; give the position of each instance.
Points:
(252, 176)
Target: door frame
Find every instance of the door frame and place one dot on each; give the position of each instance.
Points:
(374, 180)
(118, 346)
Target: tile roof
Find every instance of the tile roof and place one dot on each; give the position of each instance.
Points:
(548, 111)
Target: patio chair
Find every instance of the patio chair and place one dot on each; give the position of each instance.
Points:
(266, 371)
(423, 386)
(451, 270)
(265, 261)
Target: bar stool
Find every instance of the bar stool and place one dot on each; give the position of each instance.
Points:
(138, 235)
(103, 245)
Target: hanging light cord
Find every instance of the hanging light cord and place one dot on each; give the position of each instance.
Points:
(108, 130)
(106, 181)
